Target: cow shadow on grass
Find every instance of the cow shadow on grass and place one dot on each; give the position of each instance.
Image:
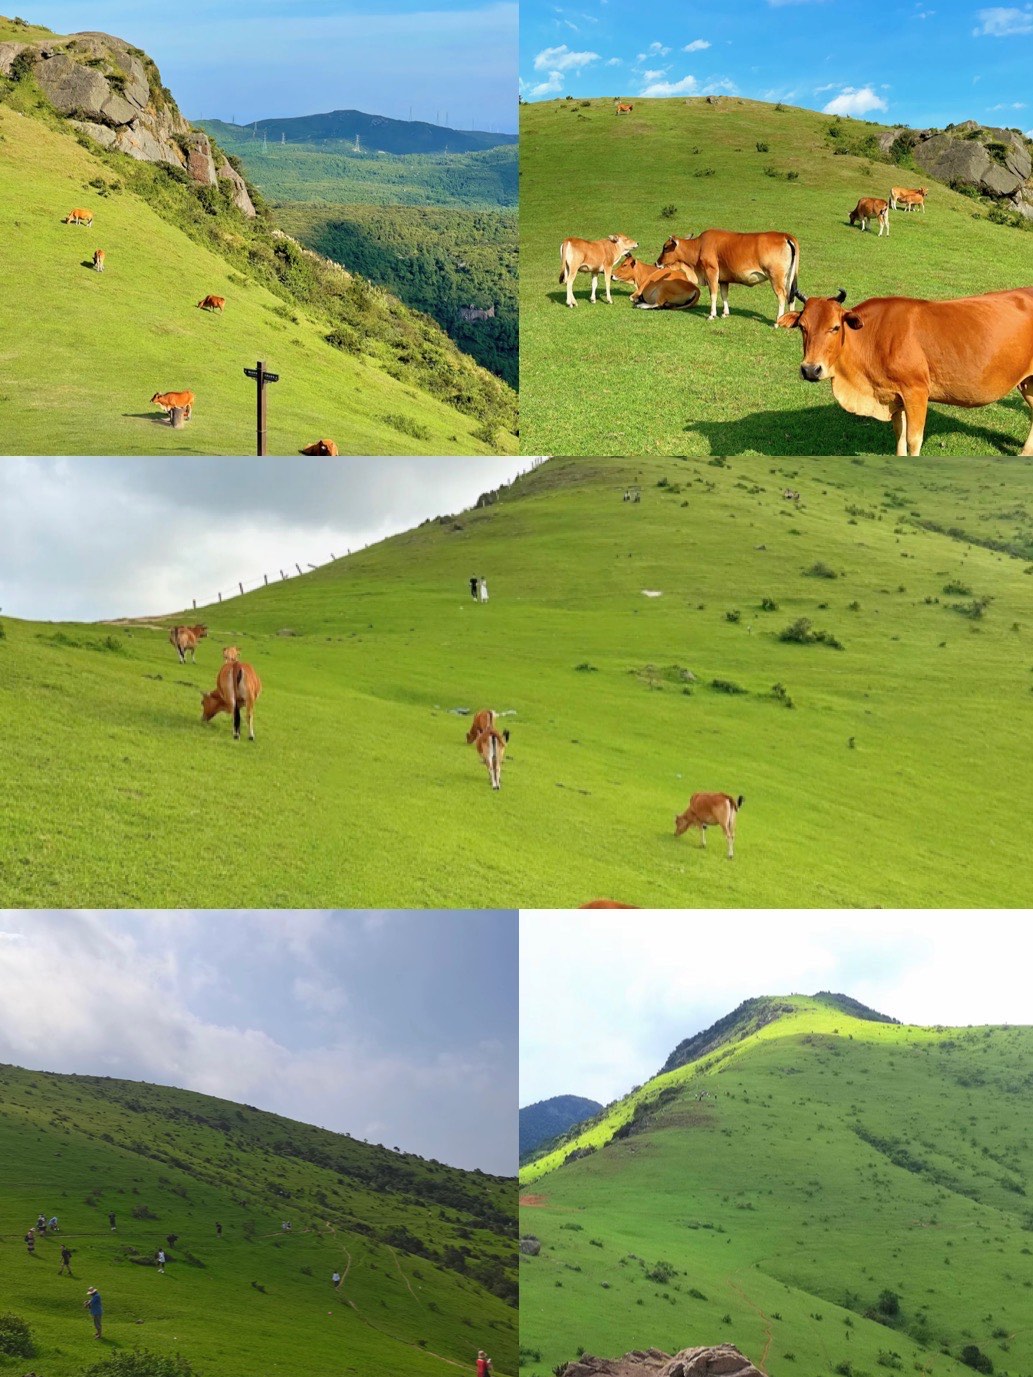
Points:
(87, 263)
(701, 308)
(155, 417)
(829, 430)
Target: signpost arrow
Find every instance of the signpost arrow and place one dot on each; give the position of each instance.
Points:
(261, 377)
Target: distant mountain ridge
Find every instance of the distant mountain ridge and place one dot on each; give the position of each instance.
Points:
(546, 1119)
(376, 133)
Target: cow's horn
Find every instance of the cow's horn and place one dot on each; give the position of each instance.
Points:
(840, 296)
(800, 296)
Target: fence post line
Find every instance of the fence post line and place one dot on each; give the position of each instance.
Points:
(219, 597)
(195, 604)
(298, 567)
(241, 587)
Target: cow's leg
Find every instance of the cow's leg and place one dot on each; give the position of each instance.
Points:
(724, 298)
(606, 279)
(1026, 388)
(702, 834)
(712, 287)
(730, 833)
(251, 721)
(916, 408)
(595, 279)
(900, 431)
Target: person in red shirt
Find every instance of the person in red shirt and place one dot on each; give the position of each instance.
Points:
(483, 1364)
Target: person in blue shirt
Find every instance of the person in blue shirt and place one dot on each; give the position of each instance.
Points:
(92, 1303)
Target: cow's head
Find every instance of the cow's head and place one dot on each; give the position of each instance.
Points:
(211, 703)
(230, 653)
(623, 243)
(824, 323)
(681, 824)
(200, 632)
(676, 250)
(624, 271)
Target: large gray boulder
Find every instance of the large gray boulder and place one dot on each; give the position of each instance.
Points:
(719, 1360)
(967, 161)
(241, 197)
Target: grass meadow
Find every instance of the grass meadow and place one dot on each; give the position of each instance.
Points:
(83, 352)
(831, 1195)
(890, 771)
(614, 380)
(167, 1161)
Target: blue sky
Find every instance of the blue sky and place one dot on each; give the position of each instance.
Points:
(664, 976)
(263, 59)
(396, 1027)
(917, 62)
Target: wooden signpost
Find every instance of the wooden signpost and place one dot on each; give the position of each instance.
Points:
(261, 377)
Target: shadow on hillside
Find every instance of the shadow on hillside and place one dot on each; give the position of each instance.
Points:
(158, 418)
(621, 298)
(830, 430)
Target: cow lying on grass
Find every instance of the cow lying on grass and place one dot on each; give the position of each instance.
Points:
(658, 289)
(323, 448)
(710, 810)
(237, 686)
(185, 638)
(490, 742)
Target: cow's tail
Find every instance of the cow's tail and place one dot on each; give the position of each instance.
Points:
(564, 264)
(739, 802)
(238, 690)
(794, 270)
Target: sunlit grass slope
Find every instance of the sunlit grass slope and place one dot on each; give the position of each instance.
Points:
(613, 380)
(830, 1194)
(167, 1161)
(892, 770)
(81, 353)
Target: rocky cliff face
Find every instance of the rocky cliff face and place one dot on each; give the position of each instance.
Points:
(113, 92)
(721, 1360)
(996, 162)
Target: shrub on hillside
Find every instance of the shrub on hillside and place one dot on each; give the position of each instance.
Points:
(143, 1212)
(768, 605)
(16, 1337)
(668, 212)
(662, 1273)
(820, 570)
(888, 1303)
(801, 632)
(140, 1363)
(734, 616)
(975, 1358)
(727, 686)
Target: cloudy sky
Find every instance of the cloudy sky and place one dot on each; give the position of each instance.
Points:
(396, 1027)
(919, 62)
(266, 59)
(85, 539)
(605, 997)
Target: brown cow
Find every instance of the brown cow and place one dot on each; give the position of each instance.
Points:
(595, 256)
(168, 400)
(230, 653)
(98, 260)
(658, 289)
(482, 722)
(212, 303)
(185, 638)
(79, 217)
(623, 109)
(710, 810)
(491, 747)
(720, 257)
(321, 447)
(889, 357)
(871, 208)
(908, 197)
(237, 686)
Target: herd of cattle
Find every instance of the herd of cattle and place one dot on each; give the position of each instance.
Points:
(887, 357)
(182, 402)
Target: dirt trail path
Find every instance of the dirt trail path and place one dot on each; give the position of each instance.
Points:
(404, 1277)
(768, 1335)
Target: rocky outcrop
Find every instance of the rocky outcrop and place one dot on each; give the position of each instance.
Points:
(112, 92)
(995, 162)
(721, 1360)
(530, 1246)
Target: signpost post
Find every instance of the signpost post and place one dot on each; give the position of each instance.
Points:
(261, 377)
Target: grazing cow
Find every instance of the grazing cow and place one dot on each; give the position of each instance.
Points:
(720, 257)
(607, 903)
(710, 810)
(889, 357)
(658, 289)
(238, 686)
(871, 208)
(595, 256)
(212, 303)
(98, 260)
(185, 638)
(230, 653)
(320, 447)
(908, 197)
(79, 217)
(168, 400)
(623, 109)
(491, 747)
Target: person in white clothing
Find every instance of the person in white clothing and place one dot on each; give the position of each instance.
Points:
(484, 590)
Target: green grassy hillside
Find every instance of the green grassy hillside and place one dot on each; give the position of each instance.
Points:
(83, 352)
(425, 1250)
(897, 777)
(671, 382)
(830, 1194)
(338, 175)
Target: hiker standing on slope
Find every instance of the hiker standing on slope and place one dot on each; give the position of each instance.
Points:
(483, 1364)
(30, 1242)
(66, 1260)
(92, 1303)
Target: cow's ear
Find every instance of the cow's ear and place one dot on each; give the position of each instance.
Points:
(790, 321)
(853, 320)
(614, 238)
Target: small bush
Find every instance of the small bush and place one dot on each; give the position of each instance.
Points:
(888, 1303)
(705, 172)
(781, 695)
(585, 668)
(668, 212)
(973, 1357)
(976, 609)
(143, 1212)
(726, 686)
(957, 590)
(662, 1273)
(768, 605)
(762, 148)
(140, 1363)
(792, 176)
(16, 1337)
(734, 616)
(405, 425)
(801, 632)
(820, 570)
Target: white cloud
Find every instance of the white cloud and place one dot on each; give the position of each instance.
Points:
(551, 86)
(615, 62)
(685, 87)
(855, 101)
(1003, 22)
(1015, 105)
(562, 59)
(654, 75)
(696, 46)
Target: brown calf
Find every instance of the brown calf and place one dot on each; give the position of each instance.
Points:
(908, 197)
(98, 260)
(212, 303)
(658, 289)
(710, 810)
(185, 638)
(230, 653)
(623, 109)
(169, 400)
(595, 256)
(720, 257)
(79, 217)
(871, 208)
(320, 447)
(238, 686)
